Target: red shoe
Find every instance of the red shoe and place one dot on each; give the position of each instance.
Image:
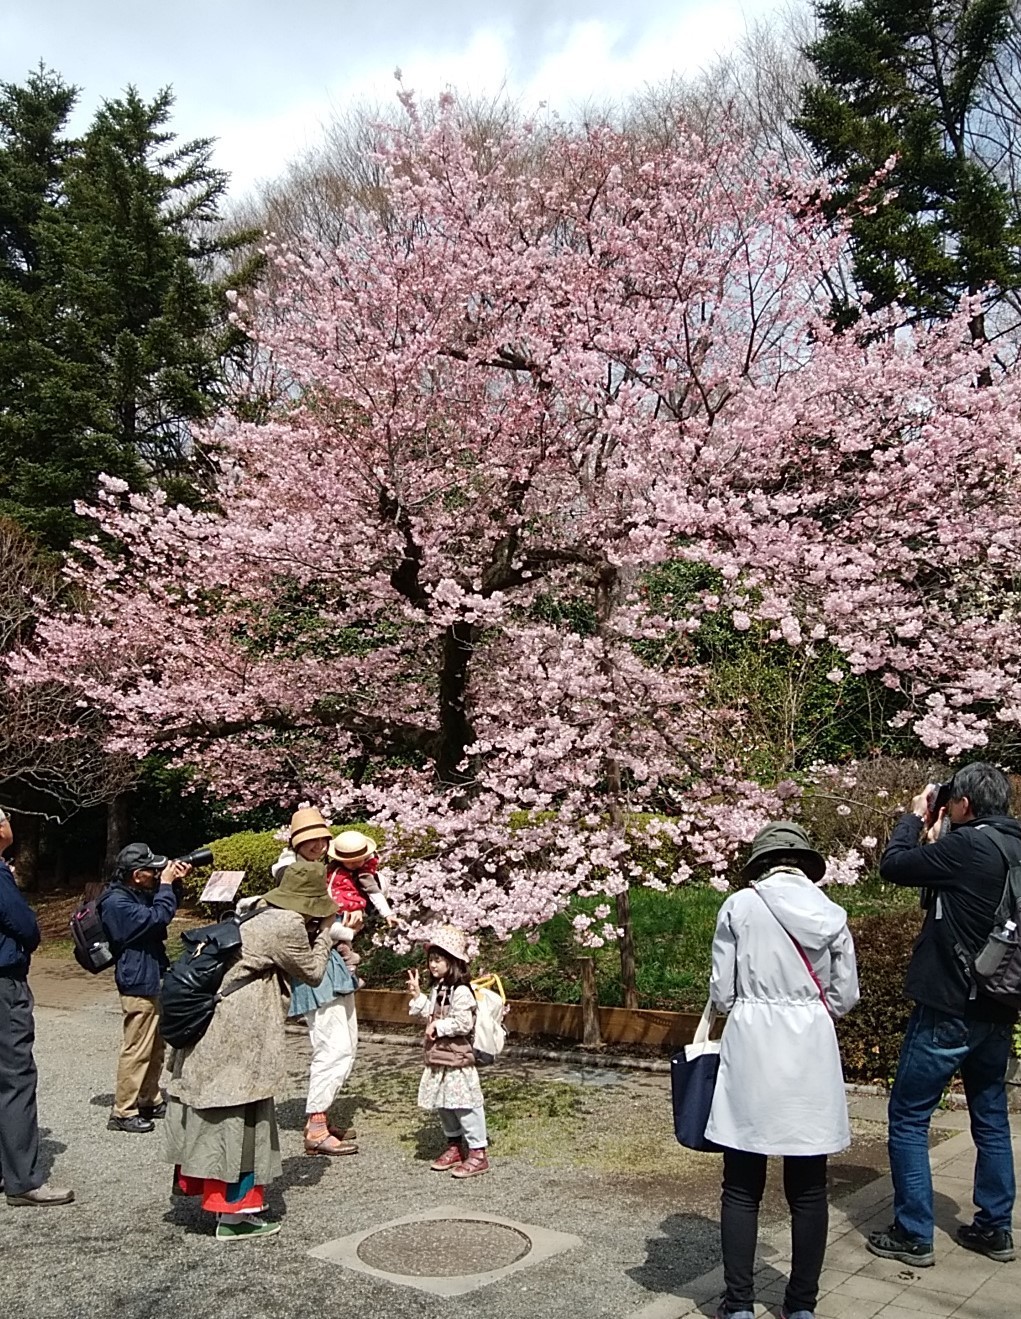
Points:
(450, 1158)
(474, 1165)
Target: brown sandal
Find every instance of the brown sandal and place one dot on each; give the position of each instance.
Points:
(329, 1145)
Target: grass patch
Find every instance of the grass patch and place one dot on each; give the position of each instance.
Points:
(673, 934)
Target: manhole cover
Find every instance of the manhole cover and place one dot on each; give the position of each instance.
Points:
(443, 1248)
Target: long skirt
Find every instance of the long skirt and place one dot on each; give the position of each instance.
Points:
(225, 1155)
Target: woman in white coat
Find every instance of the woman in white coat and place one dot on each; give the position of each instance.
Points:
(784, 970)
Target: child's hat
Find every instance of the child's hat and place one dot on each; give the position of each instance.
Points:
(350, 847)
(449, 939)
(308, 823)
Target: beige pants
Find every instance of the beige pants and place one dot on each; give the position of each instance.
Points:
(141, 1060)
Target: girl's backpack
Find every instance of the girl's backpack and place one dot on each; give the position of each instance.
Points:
(490, 1010)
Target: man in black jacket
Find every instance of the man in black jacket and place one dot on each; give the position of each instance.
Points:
(19, 1127)
(953, 1028)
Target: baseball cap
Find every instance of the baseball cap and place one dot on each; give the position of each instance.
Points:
(139, 856)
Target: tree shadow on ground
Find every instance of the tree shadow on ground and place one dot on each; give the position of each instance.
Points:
(48, 1151)
(846, 1178)
(670, 1262)
(102, 1101)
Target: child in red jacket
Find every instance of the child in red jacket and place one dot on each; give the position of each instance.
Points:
(351, 865)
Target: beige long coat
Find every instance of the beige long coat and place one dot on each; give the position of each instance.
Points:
(241, 1056)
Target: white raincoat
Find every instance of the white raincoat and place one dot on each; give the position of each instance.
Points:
(780, 1088)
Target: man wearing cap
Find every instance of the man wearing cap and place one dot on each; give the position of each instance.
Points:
(136, 910)
(19, 1126)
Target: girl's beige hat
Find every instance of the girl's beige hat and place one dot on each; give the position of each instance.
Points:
(307, 824)
(351, 847)
(449, 939)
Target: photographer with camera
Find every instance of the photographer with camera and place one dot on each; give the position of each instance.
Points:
(954, 1027)
(136, 910)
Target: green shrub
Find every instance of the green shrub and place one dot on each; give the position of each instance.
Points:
(871, 1035)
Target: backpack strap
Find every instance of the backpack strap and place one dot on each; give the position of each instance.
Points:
(252, 976)
(1011, 892)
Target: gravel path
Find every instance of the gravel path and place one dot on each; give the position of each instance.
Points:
(586, 1152)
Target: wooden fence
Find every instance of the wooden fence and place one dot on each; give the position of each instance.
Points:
(564, 1021)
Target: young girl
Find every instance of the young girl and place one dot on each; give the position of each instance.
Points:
(450, 1082)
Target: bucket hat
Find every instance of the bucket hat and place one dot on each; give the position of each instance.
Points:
(302, 888)
(351, 847)
(783, 836)
(449, 939)
(307, 824)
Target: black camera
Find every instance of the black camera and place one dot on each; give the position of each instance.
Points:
(202, 856)
(939, 799)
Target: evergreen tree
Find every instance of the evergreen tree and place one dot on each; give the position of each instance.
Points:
(908, 79)
(115, 332)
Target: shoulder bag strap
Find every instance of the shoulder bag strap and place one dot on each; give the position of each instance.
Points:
(801, 952)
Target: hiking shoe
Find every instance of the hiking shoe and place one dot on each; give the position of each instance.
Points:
(246, 1231)
(153, 1112)
(451, 1157)
(721, 1313)
(893, 1244)
(997, 1243)
(43, 1195)
(135, 1125)
(474, 1165)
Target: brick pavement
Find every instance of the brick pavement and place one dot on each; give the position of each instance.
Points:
(857, 1285)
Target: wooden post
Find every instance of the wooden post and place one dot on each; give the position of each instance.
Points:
(591, 1037)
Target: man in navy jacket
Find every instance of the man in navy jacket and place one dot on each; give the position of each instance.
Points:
(19, 1127)
(136, 910)
(953, 1028)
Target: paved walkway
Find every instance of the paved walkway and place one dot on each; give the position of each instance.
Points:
(857, 1285)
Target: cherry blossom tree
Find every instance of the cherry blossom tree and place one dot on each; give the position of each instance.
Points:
(422, 592)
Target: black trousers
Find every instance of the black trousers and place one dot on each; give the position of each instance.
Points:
(19, 1128)
(804, 1184)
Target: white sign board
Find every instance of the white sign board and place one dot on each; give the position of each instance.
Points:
(222, 886)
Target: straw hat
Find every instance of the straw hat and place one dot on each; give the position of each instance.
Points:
(351, 847)
(788, 839)
(307, 824)
(449, 939)
(302, 888)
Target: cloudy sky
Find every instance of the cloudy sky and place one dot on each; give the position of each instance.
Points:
(263, 76)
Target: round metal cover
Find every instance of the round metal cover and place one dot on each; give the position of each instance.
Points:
(443, 1248)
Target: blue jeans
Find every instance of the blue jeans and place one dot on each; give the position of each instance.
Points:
(935, 1047)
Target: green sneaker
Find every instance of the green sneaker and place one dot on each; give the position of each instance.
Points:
(246, 1231)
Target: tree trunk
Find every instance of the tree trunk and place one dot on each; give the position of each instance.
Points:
(27, 837)
(118, 821)
(591, 1036)
(456, 732)
(628, 965)
(606, 590)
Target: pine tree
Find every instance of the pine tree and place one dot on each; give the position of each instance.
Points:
(908, 79)
(115, 331)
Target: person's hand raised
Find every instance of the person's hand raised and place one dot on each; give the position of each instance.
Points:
(413, 986)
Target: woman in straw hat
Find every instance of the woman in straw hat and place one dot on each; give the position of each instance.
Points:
(221, 1126)
(450, 1081)
(328, 1008)
(784, 970)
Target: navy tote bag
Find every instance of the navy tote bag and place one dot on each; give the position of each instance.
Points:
(692, 1083)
